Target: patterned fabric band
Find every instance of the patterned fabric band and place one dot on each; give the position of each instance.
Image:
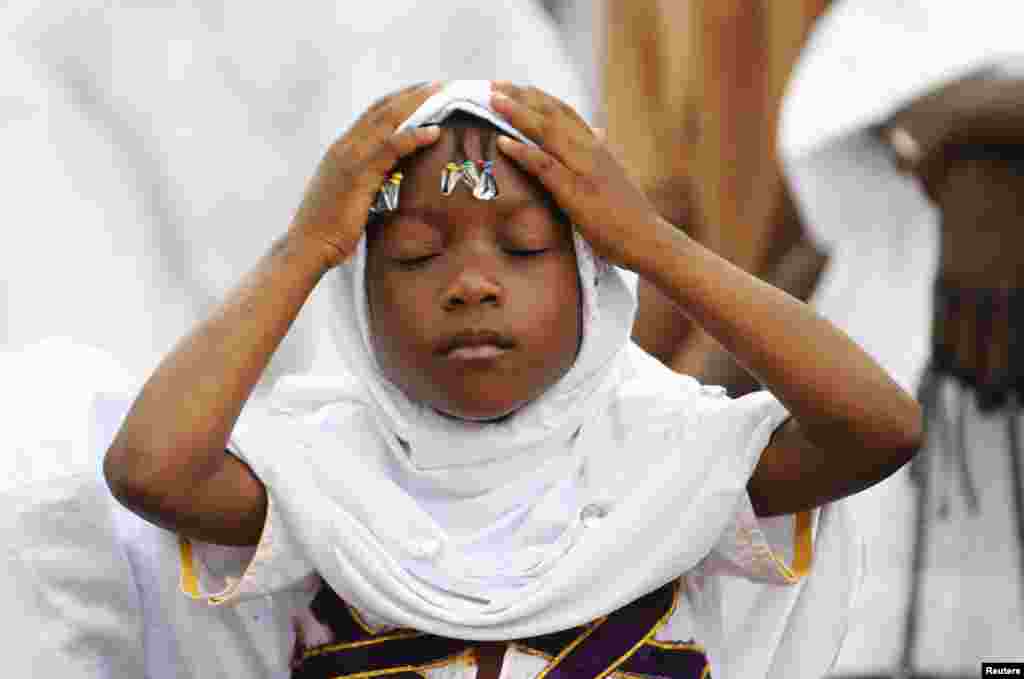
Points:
(620, 642)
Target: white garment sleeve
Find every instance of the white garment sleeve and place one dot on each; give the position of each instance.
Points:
(218, 574)
(221, 574)
(774, 550)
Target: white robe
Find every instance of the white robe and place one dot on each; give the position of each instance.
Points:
(864, 61)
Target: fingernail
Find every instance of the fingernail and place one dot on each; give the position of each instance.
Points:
(506, 142)
(431, 131)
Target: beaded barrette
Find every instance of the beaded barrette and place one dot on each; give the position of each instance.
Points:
(387, 196)
(478, 176)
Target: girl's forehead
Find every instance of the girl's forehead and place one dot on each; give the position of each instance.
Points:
(423, 172)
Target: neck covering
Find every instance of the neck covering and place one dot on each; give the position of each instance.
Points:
(622, 477)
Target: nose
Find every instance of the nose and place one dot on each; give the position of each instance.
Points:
(472, 287)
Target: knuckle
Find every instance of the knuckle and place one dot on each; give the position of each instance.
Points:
(586, 185)
(393, 146)
(546, 127)
(545, 164)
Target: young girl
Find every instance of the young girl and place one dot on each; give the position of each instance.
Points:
(501, 463)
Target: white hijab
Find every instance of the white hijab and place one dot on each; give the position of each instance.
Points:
(619, 479)
(458, 470)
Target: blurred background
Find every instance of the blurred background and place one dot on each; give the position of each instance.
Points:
(150, 152)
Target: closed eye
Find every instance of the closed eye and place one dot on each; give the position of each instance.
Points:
(414, 262)
(526, 253)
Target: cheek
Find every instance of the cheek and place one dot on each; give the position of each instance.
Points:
(396, 317)
(554, 308)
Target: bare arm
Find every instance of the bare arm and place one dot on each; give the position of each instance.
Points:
(792, 264)
(852, 425)
(168, 462)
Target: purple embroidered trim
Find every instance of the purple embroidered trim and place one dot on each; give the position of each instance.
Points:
(613, 644)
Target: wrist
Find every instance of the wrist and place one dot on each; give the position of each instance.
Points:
(668, 248)
(315, 253)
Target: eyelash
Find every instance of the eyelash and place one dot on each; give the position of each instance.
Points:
(419, 261)
(526, 253)
(414, 262)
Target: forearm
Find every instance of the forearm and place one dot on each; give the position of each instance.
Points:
(176, 431)
(790, 262)
(830, 385)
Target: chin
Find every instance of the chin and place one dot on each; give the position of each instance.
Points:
(478, 414)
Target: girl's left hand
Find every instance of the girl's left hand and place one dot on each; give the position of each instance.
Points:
(588, 183)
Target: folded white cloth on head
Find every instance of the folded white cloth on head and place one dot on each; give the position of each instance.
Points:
(622, 477)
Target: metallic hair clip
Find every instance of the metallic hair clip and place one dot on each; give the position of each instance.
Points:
(486, 188)
(450, 178)
(387, 196)
(478, 176)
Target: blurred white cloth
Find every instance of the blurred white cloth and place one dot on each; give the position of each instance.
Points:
(864, 61)
(153, 152)
(157, 150)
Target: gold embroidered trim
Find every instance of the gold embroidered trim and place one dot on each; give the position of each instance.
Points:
(320, 650)
(647, 637)
(418, 669)
(357, 616)
(526, 650)
(189, 583)
(803, 549)
(804, 544)
(677, 645)
(575, 642)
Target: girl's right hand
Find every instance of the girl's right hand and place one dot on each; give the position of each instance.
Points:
(337, 200)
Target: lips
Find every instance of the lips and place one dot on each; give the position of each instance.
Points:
(475, 344)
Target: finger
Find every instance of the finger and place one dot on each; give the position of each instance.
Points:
(399, 108)
(548, 108)
(571, 127)
(550, 131)
(363, 140)
(555, 177)
(396, 147)
(408, 98)
(542, 102)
